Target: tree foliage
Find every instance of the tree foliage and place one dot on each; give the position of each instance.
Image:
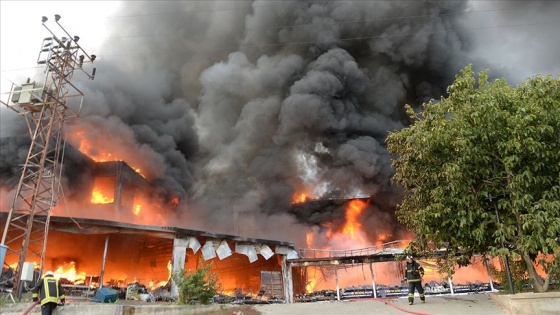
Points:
(486, 149)
(518, 269)
(196, 287)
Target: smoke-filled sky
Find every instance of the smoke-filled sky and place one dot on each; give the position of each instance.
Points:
(236, 106)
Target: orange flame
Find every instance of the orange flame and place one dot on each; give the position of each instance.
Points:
(86, 147)
(70, 273)
(353, 212)
(97, 197)
(329, 232)
(310, 285)
(300, 198)
(348, 235)
(174, 202)
(309, 238)
(94, 152)
(14, 265)
(137, 208)
(103, 190)
(382, 238)
(147, 210)
(154, 285)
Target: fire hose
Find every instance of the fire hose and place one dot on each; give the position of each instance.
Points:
(402, 309)
(32, 306)
(386, 301)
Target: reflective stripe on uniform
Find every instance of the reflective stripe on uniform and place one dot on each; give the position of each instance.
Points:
(50, 290)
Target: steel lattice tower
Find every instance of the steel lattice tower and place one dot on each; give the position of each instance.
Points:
(46, 108)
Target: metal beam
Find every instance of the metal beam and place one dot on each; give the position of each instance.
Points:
(46, 108)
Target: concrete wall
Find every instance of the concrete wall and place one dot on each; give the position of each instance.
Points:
(530, 303)
(116, 309)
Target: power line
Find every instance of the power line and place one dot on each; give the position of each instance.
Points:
(331, 23)
(303, 25)
(184, 12)
(282, 3)
(20, 69)
(396, 35)
(366, 37)
(101, 56)
(403, 17)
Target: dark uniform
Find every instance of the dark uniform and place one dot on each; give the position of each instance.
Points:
(50, 292)
(413, 274)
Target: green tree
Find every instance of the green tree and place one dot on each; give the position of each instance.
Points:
(196, 287)
(487, 149)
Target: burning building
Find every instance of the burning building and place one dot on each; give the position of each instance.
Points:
(117, 254)
(219, 121)
(111, 230)
(94, 245)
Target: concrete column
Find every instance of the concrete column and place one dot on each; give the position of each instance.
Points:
(336, 278)
(287, 280)
(118, 188)
(373, 286)
(485, 262)
(179, 253)
(103, 261)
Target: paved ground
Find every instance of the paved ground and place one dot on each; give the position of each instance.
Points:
(472, 304)
(456, 305)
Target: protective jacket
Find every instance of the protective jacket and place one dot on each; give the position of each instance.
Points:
(49, 289)
(413, 272)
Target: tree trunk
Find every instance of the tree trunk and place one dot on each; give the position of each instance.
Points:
(540, 285)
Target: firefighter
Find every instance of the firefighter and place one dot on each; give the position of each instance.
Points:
(50, 292)
(413, 275)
